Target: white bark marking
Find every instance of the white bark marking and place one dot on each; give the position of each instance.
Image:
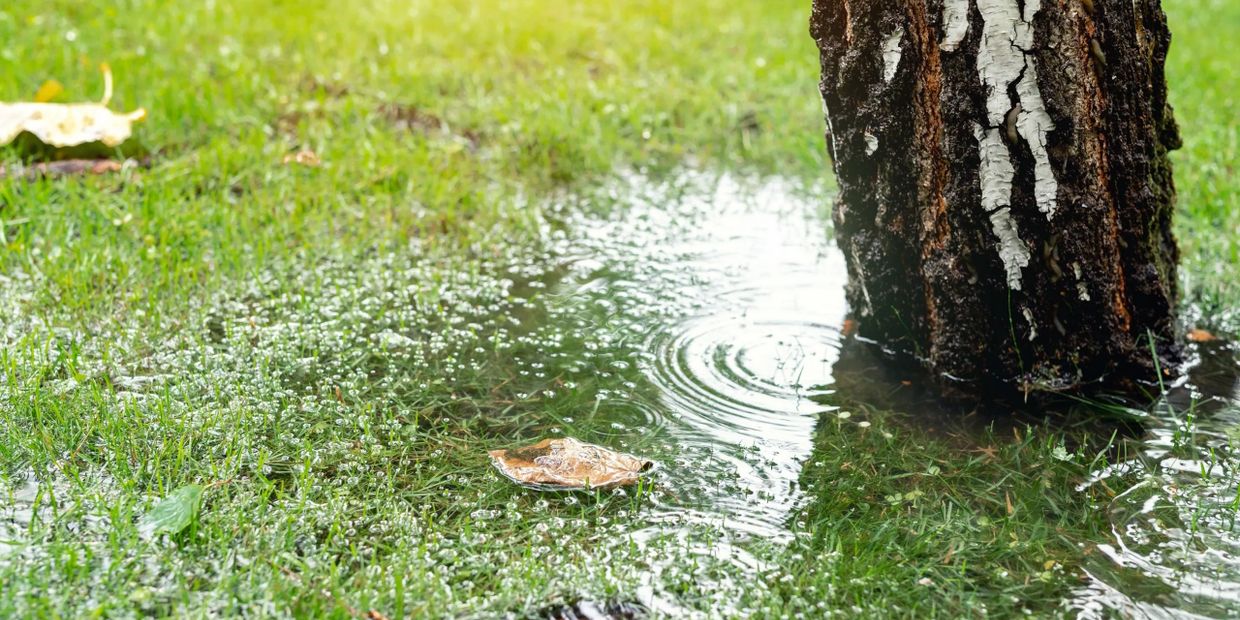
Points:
(871, 143)
(1033, 329)
(996, 174)
(1006, 35)
(891, 53)
(1034, 123)
(1012, 250)
(1003, 61)
(956, 20)
(996, 168)
(1082, 291)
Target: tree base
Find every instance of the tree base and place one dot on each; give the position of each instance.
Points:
(1005, 192)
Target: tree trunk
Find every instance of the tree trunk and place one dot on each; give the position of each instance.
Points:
(1005, 193)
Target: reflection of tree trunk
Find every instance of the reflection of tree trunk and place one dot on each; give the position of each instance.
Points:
(1005, 194)
(865, 380)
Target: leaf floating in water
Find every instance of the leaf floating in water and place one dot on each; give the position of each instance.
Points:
(174, 513)
(63, 125)
(1201, 335)
(569, 464)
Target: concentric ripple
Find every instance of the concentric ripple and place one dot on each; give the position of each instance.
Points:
(740, 293)
(738, 380)
(739, 388)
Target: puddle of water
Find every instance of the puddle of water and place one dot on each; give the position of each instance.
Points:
(746, 346)
(17, 514)
(1175, 541)
(747, 298)
(25, 503)
(717, 305)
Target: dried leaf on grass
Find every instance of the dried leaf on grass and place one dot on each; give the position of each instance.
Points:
(63, 168)
(569, 464)
(304, 157)
(63, 125)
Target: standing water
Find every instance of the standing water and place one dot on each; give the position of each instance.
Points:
(741, 294)
(696, 322)
(726, 298)
(1174, 550)
(731, 295)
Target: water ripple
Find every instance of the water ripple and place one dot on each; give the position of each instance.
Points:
(1175, 547)
(740, 293)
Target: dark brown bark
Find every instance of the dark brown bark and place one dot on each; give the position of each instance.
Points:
(1056, 280)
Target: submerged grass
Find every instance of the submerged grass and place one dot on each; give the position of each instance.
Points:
(333, 349)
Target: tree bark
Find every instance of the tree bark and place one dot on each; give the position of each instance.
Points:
(1005, 195)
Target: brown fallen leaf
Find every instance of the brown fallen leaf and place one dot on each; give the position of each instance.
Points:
(63, 125)
(568, 464)
(304, 157)
(1201, 335)
(63, 168)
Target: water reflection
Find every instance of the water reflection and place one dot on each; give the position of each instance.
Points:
(1175, 548)
(730, 296)
(748, 293)
(738, 375)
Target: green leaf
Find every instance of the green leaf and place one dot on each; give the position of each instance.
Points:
(174, 513)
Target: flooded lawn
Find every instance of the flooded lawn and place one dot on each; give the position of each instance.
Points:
(341, 406)
(1174, 549)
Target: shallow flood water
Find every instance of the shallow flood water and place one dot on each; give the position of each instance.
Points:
(729, 296)
(1175, 546)
(696, 322)
(736, 300)
(749, 298)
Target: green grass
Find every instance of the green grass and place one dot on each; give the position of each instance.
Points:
(222, 319)
(1203, 82)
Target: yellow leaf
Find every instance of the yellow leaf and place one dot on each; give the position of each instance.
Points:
(69, 124)
(49, 91)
